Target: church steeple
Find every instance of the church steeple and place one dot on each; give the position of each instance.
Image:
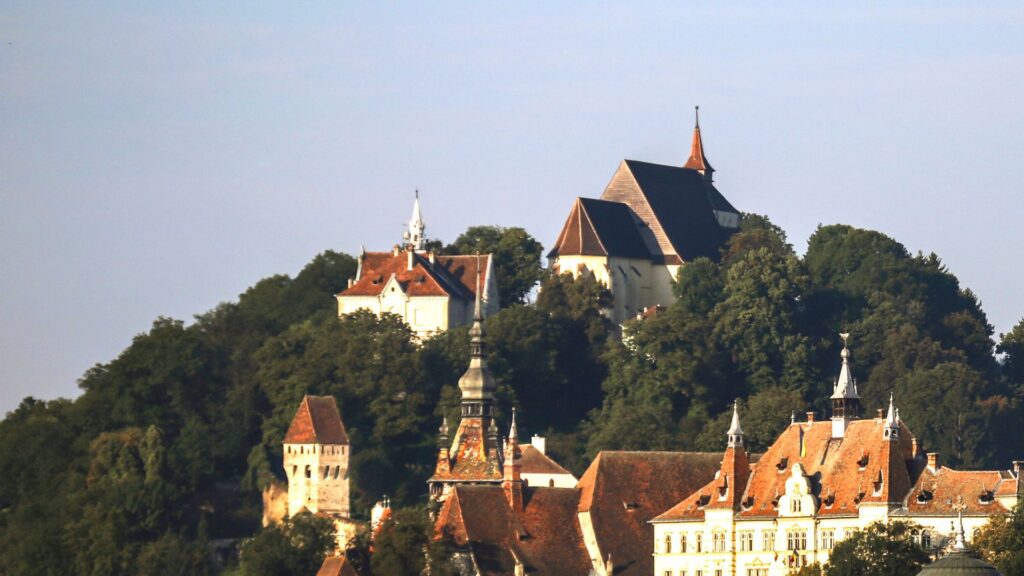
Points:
(845, 400)
(477, 384)
(697, 160)
(414, 236)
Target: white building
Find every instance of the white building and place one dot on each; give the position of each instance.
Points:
(815, 485)
(431, 292)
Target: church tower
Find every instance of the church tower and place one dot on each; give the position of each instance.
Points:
(845, 400)
(474, 456)
(414, 236)
(316, 453)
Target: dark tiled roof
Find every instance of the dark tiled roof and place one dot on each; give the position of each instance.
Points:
(623, 491)
(600, 228)
(317, 421)
(336, 566)
(544, 535)
(681, 202)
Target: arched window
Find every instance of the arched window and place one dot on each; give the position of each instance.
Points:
(796, 505)
(682, 542)
(309, 471)
(926, 539)
(551, 483)
(698, 542)
(668, 543)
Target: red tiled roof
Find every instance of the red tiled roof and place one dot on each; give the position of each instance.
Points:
(317, 421)
(544, 536)
(848, 471)
(697, 160)
(453, 276)
(336, 566)
(534, 461)
(472, 458)
(939, 491)
(623, 491)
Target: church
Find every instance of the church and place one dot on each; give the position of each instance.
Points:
(431, 292)
(650, 220)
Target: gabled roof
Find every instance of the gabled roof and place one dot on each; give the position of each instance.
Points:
(623, 491)
(600, 228)
(677, 204)
(317, 421)
(453, 276)
(534, 461)
(336, 566)
(544, 536)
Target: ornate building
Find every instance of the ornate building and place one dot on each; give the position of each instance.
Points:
(650, 220)
(431, 292)
(818, 482)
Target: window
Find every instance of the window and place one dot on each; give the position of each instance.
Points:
(309, 471)
(746, 541)
(769, 541)
(718, 572)
(698, 543)
(828, 539)
(682, 573)
(757, 572)
(796, 540)
(698, 573)
(718, 542)
(295, 470)
(796, 505)
(327, 472)
(668, 573)
(682, 547)
(926, 539)
(337, 472)
(668, 543)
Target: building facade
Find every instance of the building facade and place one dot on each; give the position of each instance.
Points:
(431, 292)
(649, 221)
(819, 482)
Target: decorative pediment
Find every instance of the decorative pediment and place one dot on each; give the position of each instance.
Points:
(798, 499)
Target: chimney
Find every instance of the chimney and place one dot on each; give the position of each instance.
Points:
(409, 259)
(351, 281)
(880, 413)
(538, 442)
(933, 461)
(431, 256)
(395, 250)
(810, 417)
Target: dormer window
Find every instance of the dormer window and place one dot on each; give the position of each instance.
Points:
(796, 506)
(924, 496)
(782, 464)
(863, 462)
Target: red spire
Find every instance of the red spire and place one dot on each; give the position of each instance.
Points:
(697, 160)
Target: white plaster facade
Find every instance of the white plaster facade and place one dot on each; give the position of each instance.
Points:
(635, 283)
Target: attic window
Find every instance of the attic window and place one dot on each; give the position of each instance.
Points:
(703, 500)
(630, 505)
(924, 496)
(986, 497)
(830, 499)
(783, 464)
(877, 484)
(863, 462)
(522, 534)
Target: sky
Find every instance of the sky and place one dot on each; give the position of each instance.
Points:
(158, 158)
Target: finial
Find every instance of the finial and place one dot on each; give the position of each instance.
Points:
(696, 114)
(417, 193)
(444, 427)
(890, 416)
(845, 354)
(477, 311)
(513, 434)
(960, 543)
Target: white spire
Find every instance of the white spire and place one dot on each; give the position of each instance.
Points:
(892, 422)
(735, 433)
(846, 386)
(414, 235)
(960, 544)
(890, 417)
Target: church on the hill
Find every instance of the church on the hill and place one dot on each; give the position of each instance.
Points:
(820, 481)
(431, 292)
(650, 220)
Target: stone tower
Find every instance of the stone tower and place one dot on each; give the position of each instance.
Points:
(316, 453)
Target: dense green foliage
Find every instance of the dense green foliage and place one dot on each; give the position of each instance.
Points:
(404, 546)
(297, 546)
(170, 443)
(1001, 542)
(879, 550)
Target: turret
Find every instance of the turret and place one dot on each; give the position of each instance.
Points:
(891, 431)
(511, 480)
(735, 433)
(697, 160)
(845, 399)
(414, 235)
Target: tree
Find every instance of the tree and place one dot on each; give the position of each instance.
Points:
(1001, 542)
(517, 258)
(881, 549)
(763, 418)
(405, 546)
(1011, 345)
(295, 547)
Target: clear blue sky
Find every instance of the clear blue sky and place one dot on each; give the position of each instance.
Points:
(156, 159)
